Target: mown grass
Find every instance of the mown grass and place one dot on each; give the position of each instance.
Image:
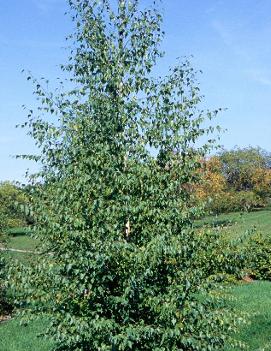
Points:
(254, 299)
(20, 238)
(15, 336)
(237, 224)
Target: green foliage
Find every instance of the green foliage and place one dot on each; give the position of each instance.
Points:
(239, 165)
(5, 306)
(2, 294)
(236, 180)
(258, 251)
(13, 201)
(3, 227)
(5, 303)
(222, 259)
(234, 201)
(122, 267)
(245, 246)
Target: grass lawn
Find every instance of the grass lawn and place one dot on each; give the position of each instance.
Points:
(255, 299)
(236, 224)
(22, 242)
(17, 337)
(20, 238)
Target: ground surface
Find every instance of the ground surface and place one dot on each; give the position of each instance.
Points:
(237, 224)
(17, 337)
(254, 298)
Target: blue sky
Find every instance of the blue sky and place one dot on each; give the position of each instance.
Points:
(229, 39)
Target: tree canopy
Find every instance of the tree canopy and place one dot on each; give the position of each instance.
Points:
(122, 267)
(240, 166)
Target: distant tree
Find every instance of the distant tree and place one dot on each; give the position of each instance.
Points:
(245, 168)
(235, 180)
(122, 267)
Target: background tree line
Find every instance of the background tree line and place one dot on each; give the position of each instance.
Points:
(236, 180)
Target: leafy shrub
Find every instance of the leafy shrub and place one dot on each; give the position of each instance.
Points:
(247, 201)
(258, 251)
(2, 298)
(5, 304)
(2, 265)
(250, 254)
(3, 224)
(163, 290)
(235, 201)
(222, 259)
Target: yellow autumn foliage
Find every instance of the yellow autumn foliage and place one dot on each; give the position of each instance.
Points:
(213, 183)
(261, 180)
